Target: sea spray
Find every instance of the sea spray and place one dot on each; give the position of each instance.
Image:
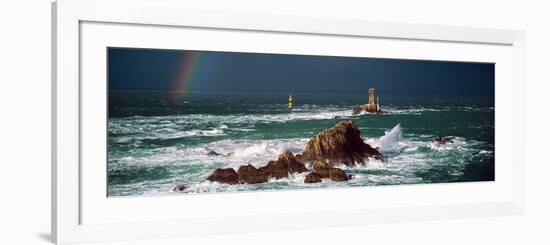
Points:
(389, 142)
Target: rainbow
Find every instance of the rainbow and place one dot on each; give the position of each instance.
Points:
(185, 74)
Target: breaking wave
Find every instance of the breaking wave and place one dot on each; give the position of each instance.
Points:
(389, 142)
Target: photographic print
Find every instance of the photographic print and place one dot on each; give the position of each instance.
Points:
(190, 122)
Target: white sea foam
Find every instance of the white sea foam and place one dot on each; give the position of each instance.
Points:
(140, 133)
(376, 164)
(233, 153)
(405, 156)
(255, 152)
(243, 129)
(191, 125)
(123, 140)
(485, 152)
(251, 150)
(126, 125)
(409, 111)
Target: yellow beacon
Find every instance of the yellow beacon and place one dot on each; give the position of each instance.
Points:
(290, 102)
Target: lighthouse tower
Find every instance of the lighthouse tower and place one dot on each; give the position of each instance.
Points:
(372, 96)
(373, 105)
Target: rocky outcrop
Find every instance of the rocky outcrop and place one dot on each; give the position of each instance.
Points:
(339, 144)
(224, 175)
(285, 164)
(179, 188)
(280, 168)
(250, 175)
(373, 109)
(313, 178)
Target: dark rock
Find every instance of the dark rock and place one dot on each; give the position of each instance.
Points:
(313, 178)
(294, 166)
(250, 175)
(321, 168)
(180, 187)
(372, 109)
(319, 164)
(442, 140)
(275, 169)
(285, 164)
(213, 153)
(356, 110)
(339, 144)
(298, 157)
(224, 175)
(325, 170)
(336, 174)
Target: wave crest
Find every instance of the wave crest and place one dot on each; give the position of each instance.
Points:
(389, 142)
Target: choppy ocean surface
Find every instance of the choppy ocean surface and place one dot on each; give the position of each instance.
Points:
(156, 143)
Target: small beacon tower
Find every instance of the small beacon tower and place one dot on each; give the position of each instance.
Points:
(290, 102)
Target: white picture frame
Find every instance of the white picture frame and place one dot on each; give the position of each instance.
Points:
(71, 204)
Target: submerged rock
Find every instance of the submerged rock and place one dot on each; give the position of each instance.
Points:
(213, 153)
(313, 178)
(224, 175)
(321, 168)
(442, 140)
(339, 144)
(325, 170)
(285, 164)
(336, 174)
(250, 175)
(356, 110)
(180, 187)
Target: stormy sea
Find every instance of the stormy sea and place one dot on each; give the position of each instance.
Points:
(156, 142)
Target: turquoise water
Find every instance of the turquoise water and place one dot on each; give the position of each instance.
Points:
(156, 143)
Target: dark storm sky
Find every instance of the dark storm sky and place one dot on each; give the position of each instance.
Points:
(147, 69)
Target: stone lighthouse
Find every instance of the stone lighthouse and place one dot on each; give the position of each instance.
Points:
(373, 101)
(372, 106)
